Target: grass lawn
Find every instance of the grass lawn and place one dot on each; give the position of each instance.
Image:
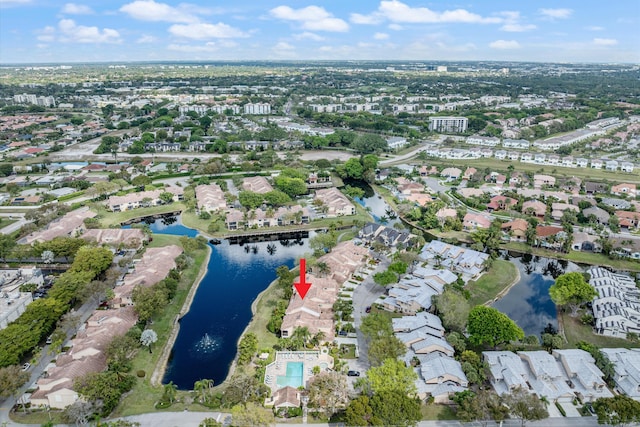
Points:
(501, 274)
(502, 165)
(108, 219)
(577, 257)
(191, 220)
(160, 240)
(575, 332)
(264, 305)
(144, 395)
(437, 412)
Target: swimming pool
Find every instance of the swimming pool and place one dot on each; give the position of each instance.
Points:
(294, 376)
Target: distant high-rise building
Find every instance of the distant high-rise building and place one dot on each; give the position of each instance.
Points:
(448, 124)
(260, 108)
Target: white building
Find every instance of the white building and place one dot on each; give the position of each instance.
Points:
(448, 124)
(257, 109)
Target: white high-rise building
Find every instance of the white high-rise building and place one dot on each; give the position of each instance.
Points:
(448, 124)
(260, 108)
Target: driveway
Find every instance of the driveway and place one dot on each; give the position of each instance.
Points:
(363, 296)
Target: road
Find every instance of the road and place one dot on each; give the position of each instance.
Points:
(363, 296)
(20, 221)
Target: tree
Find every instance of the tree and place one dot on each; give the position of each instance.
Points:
(11, 379)
(360, 412)
(276, 198)
(247, 348)
(7, 243)
(47, 257)
(572, 290)
(385, 278)
(483, 406)
(453, 309)
(369, 143)
(292, 187)
(92, 259)
(353, 168)
(376, 325)
(170, 391)
(525, 406)
(393, 376)
(105, 387)
(618, 410)
(80, 412)
(551, 341)
(488, 326)
(328, 391)
(323, 242)
(141, 180)
(203, 387)
(147, 301)
(148, 337)
(210, 422)
(383, 348)
(251, 415)
(166, 197)
(250, 200)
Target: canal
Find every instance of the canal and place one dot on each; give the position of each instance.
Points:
(528, 302)
(207, 342)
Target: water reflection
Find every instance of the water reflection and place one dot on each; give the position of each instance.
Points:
(528, 302)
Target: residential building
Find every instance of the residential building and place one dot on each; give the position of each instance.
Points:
(516, 229)
(451, 173)
(210, 198)
(483, 140)
(506, 371)
(598, 215)
(626, 364)
(396, 142)
(473, 221)
(585, 378)
(616, 308)
(334, 202)
(535, 208)
(442, 377)
(466, 262)
(116, 237)
(546, 377)
(448, 124)
(142, 199)
(549, 236)
(70, 225)
(256, 184)
(624, 189)
(546, 180)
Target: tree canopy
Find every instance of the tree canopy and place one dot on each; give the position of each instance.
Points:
(488, 326)
(571, 290)
(618, 410)
(391, 376)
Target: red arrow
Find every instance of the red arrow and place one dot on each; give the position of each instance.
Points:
(302, 287)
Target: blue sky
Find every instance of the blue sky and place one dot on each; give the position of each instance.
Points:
(148, 30)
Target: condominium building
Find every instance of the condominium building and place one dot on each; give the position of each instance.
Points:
(448, 124)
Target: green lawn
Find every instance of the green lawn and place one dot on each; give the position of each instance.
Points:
(575, 332)
(434, 412)
(160, 240)
(144, 395)
(501, 274)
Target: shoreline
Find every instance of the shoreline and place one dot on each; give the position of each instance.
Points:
(503, 292)
(161, 365)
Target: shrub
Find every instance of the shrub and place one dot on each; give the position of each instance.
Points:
(141, 373)
(561, 409)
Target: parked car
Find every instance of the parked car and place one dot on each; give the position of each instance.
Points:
(367, 310)
(342, 333)
(353, 373)
(26, 366)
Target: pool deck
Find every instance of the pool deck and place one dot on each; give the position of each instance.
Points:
(309, 359)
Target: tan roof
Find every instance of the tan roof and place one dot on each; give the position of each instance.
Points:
(286, 396)
(64, 226)
(115, 236)
(257, 184)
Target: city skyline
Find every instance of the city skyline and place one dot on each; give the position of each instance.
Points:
(35, 31)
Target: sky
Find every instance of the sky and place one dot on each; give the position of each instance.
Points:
(46, 31)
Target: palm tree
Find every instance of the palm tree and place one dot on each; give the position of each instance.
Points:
(203, 387)
(170, 391)
(301, 335)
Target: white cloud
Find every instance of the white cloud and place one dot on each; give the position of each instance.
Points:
(76, 9)
(555, 13)
(207, 47)
(312, 18)
(381, 36)
(149, 10)
(398, 12)
(396, 27)
(202, 31)
(47, 34)
(70, 32)
(517, 28)
(605, 42)
(595, 28)
(9, 3)
(372, 19)
(307, 35)
(146, 39)
(504, 44)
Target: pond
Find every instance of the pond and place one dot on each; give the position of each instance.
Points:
(221, 310)
(374, 203)
(528, 302)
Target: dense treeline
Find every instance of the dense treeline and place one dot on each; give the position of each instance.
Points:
(39, 318)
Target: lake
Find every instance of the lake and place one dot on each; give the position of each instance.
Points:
(528, 302)
(221, 309)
